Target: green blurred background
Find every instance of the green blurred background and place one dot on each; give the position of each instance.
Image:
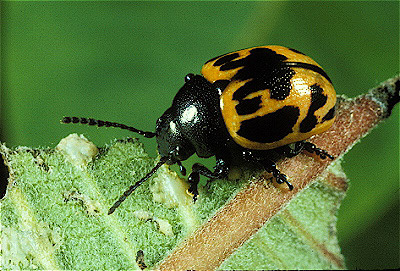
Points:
(124, 62)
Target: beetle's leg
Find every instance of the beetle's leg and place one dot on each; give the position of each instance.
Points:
(280, 178)
(294, 149)
(290, 150)
(269, 166)
(220, 170)
(311, 148)
(193, 180)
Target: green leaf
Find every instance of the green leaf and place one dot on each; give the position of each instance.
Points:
(54, 215)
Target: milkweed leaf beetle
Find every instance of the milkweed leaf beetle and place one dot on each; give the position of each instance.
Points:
(250, 105)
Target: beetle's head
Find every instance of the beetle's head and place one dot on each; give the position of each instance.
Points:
(171, 141)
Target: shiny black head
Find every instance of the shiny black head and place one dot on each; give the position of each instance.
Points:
(171, 139)
(192, 123)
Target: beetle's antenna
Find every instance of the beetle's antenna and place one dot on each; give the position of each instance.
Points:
(101, 123)
(137, 184)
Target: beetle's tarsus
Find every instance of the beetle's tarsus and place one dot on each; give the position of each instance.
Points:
(311, 148)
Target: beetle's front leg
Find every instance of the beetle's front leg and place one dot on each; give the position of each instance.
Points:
(220, 170)
(193, 180)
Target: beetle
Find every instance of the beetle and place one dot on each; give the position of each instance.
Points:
(250, 105)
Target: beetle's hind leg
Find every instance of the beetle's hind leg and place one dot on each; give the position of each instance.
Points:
(311, 148)
(220, 170)
(290, 150)
(295, 148)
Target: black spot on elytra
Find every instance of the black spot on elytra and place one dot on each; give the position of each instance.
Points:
(271, 127)
(309, 66)
(212, 59)
(308, 123)
(296, 51)
(278, 84)
(248, 106)
(260, 63)
(318, 100)
(225, 59)
(329, 115)
(221, 84)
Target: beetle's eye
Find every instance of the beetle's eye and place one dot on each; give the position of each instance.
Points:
(188, 77)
